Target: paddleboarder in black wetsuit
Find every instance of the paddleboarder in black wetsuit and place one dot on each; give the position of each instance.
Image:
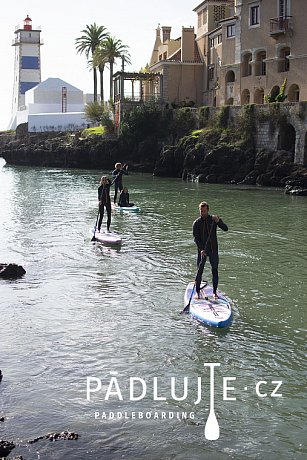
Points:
(118, 173)
(204, 232)
(104, 201)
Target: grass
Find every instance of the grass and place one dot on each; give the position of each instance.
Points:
(96, 131)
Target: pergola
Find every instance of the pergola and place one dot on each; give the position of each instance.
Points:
(137, 86)
(131, 89)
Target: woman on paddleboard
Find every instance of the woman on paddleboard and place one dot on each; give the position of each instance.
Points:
(104, 201)
(124, 199)
(205, 237)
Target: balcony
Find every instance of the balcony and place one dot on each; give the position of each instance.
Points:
(32, 40)
(280, 26)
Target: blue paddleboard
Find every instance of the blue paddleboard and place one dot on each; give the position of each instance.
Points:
(215, 313)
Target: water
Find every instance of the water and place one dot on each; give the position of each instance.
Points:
(85, 310)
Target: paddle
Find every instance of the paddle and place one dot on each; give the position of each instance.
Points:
(115, 179)
(212, 429)
(187, 307)
(94, 238)
(198, 274)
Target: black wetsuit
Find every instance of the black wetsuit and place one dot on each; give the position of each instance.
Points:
(104, 202)
(118, 180)
(124, 200)
(201, 232)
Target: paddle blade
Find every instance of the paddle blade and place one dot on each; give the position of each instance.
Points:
(212, 429)
(94, 237)
(186, 308)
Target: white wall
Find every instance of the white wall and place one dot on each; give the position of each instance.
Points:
(57, 122)
(88, 97)
(36, 96)
(31, 49)
(21, 117)
(54, 108)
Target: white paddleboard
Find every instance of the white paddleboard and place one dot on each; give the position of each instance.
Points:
(107, 237)
(133, 208)
(215, 313)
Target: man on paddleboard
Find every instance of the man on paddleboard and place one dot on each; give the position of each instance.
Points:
(117, 174)
(205, 237)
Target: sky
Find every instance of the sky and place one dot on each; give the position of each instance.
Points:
(134, 22)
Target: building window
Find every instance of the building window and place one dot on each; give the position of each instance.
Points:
(211, 42)
(287, 62)
(205, 19)
(202, 18)
(211, 73)
(284, 61)
(230, 30)
(219, 39)
(254, 19)
(284, 8)
(247, 65)
(262, 64)
(219, 12)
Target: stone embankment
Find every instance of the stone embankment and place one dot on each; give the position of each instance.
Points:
(60, 150)
(215, 158)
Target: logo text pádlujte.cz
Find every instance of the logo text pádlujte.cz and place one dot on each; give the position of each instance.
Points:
(139, 387)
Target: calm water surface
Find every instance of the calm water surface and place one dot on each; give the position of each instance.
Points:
(85, 310)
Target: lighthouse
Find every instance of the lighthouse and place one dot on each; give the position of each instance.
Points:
(27, 68)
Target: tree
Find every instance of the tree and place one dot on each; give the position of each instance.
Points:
(92, 36)
(114, 49)
(99, 61)
(280, 96)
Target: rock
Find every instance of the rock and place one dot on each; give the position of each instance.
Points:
(11, 271)
(289, 190)
(250, 179)
(64, 435)
(6, 447)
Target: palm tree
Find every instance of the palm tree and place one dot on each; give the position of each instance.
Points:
(99, 61)
(92, 36)
(113, 49)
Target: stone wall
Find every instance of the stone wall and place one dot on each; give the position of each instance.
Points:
(277, 126)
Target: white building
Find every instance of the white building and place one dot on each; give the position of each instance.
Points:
(53, 105)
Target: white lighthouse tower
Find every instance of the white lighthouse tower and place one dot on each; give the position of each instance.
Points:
(27, 68)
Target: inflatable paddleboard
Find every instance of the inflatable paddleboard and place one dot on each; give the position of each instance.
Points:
(106, 237)
(126, 208)
(215, 313)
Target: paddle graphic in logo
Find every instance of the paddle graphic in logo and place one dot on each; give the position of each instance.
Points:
(212, 429)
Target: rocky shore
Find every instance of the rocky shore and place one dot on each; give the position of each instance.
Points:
(213, 156)
(6, 447)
